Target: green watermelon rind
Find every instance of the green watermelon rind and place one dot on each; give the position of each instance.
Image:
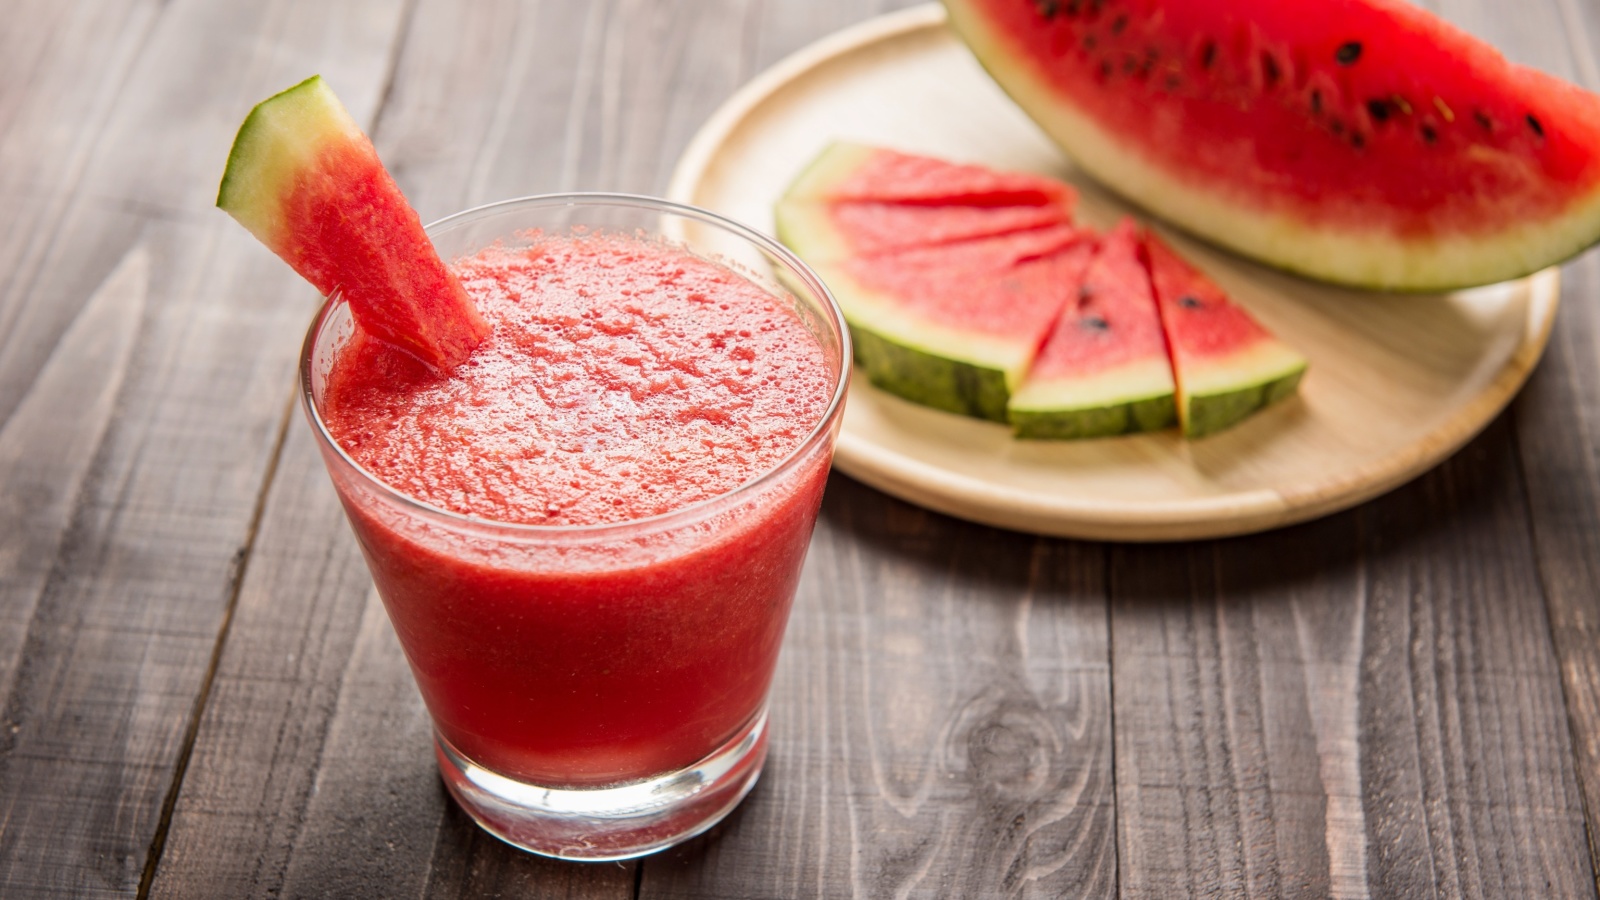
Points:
(922, 361)
(1135, 397)
(929, 378)
(1219, 394)
(1362, 259)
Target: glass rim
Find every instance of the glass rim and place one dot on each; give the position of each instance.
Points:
(693, 511)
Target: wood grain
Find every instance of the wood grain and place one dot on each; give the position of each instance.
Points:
(119, 641)
(1363, 707)
(1557, 416)
(1398, 701)
(940, 722)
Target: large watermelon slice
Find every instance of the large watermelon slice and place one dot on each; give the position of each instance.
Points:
(949, 275)
(1104, 368)
(1226, 365)
(305, 180)
(1359, 141)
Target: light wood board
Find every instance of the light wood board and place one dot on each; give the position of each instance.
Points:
(1397, 382)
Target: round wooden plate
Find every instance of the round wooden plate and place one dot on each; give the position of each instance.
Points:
(1397, 382)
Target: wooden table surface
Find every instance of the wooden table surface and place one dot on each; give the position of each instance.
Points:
(200, 695)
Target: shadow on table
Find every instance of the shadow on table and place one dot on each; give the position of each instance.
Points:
(1472, 498)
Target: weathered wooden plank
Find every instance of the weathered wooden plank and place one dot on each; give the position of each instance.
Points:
(940, 722)
(122, 633)
(1558, 414)
(62, 68)
(84, 374)
(1366, 706)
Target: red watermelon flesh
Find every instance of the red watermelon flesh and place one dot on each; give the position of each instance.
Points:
(956, 326)
(1225, 363)
(849, 171)
(1104, 368)
(1010, 286)
(1362, 141)
(305, 180)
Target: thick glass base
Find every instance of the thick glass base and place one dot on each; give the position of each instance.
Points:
(611, 823)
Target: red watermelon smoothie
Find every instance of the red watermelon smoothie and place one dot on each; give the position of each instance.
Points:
(588, 536)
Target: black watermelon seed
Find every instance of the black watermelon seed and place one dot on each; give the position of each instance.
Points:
(1047, 8)
(1347, 53)
(1534, 124)
(1208, 54)
(1105, 70)
(1096, 323)
(1269, 69)
(1316, 103)
(1357, 140)
(1429, 135)
(1484, 122)
(1074, 7)
(1172, 82)
(1190, 302)
(1119, 23)
(1084, 292)
(1336, 126)
(1378, 110)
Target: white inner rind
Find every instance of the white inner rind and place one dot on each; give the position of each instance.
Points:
(1366, 257)
(1265, 361)
(1139, 379)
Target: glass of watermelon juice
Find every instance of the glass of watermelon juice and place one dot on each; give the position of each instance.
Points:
(597, 672)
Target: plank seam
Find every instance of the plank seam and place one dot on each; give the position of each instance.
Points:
(191, 732)
(1111, 718)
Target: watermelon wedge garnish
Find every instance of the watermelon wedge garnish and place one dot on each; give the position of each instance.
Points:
(1226, 365)
(1104, 368)
(306, 181)
(1365, 142)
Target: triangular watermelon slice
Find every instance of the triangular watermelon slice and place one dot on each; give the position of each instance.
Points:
(854, 200)
(949, 275)
(305, 180)
(850, 171)
(1104, 368)
(956, 326)
(1226, 365)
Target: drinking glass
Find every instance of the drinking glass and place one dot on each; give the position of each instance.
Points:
(598, 692)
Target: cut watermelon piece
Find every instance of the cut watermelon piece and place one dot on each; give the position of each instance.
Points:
(956, 326)
(1104, 368)
(305, 180)
(849, 171)
(855, 200)
(1359, 141)
(949, 275)
(1226, 365)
